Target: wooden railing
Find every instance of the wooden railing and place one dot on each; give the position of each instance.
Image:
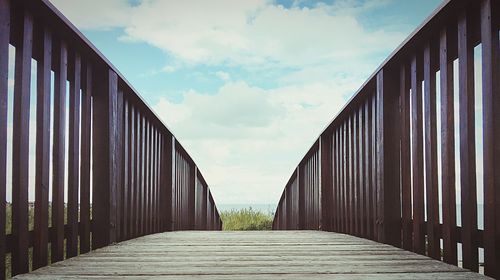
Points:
(106, 166)
(382, 170)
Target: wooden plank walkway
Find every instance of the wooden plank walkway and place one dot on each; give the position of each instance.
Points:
(250, 255)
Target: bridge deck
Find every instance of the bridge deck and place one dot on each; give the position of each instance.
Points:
(250, 255)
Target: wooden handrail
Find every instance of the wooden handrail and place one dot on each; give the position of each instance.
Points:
(378, 168)
(127, 174)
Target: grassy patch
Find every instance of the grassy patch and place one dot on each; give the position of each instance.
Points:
(246, 219)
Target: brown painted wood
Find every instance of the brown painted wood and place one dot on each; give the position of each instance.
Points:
(59, 147)
(388, 158)
(20, 145)
(404, 93)
(417, 156)
(133, 171)
(42, 165)
(120, 163)
(5, 19)
(168, 179)
(344, 178)
(335, 182)
(191, 196)
(448, 149)
(140, 175)
(73, 156)
(373, 162)
(361, 174)
(349, 176)
(491, 135)
(146, 175)
(355, 172)
(125, 218)
(326, 169)
(430, 143)
(105, 160)
(85, 167)
(368, 169)
(467, 143)
(154, 194)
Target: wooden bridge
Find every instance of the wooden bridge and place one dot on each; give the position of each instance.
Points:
(372, 198)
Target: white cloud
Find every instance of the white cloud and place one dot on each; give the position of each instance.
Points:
(246, 139)
(223, 75)
(249, 33)
(254, 33)
(95, 14)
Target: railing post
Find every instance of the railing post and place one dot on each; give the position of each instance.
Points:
(192, 198)
(491, 150)
(388, 161)
(4, 81)
(300, 181)
(106, 158)
(325, 175)
(166, 181)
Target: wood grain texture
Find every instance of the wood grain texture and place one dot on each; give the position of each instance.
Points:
(491, 146)
(4, 85)
(250, 255)
(20, 145)
(447, 148)
(42, 179)
(467, 141)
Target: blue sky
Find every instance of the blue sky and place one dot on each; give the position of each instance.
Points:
(246, 86)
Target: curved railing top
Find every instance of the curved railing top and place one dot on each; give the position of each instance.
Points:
(113, 169)
(45, 9)
(382, 170)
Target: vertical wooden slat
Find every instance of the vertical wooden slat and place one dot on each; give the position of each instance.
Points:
(344, 180)
(467, 143)
(133, 170)
(491, 146)
(301, 181)
(388, 157)
(20, 150)
(153, 179)
(168, 179)
(362, 182)
(192, 189)
(119, 154)
(374, 164)
(136, 179)
(369, 168)
(447, 149)
(335, 183)
(404, 93)
(417, 157)
(174, 184)
(42, 165)
(355, 171)
(349, 177)
(73, 157)
(491, 132)
(147, 177)
(4, 85)
(85, 161)
(126, 171)
(326, 169)
(58, 149)
(432, 203)
(105, 160)
(142, 176)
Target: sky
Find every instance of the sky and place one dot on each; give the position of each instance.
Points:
(246, 86)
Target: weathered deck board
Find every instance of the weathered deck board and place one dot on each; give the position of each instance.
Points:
(250, 255)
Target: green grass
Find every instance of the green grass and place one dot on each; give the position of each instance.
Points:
(246, 219)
